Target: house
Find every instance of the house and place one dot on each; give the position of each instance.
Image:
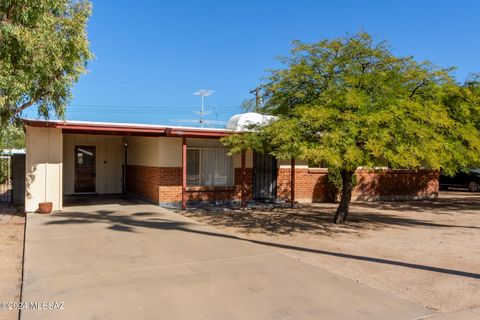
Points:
(176, 165)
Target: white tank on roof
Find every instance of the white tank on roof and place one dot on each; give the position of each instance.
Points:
(242, 121)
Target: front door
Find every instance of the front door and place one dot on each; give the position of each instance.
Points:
(85, 169)
(264, 176)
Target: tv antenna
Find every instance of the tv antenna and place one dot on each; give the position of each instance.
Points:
(202, 93)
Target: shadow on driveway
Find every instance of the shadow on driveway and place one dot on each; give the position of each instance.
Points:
(128, 223)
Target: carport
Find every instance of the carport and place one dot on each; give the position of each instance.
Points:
(72, 157)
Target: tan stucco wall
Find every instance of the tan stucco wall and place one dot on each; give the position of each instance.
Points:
(161, 152)
(44, 167)
(108, 164)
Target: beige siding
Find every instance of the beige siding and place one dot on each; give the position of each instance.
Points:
(161, 152)
(44, 168)
(167, 151)
(143, 151)
(170, 152)
(108, 164)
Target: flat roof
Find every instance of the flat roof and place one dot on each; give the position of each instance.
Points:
(117, 128)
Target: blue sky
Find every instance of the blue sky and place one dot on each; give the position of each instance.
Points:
(152, 55)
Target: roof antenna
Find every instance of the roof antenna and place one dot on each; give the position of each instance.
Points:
(203, 93)
(210, 123)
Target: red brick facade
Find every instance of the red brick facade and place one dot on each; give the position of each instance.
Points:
(311, 184)
(395, 184)
(164, 185)
(155, 184)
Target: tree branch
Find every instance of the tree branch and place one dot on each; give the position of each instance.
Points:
(417, 87)
(23, 107)
(35, 99)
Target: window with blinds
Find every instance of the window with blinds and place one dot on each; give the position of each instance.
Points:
(209, 167)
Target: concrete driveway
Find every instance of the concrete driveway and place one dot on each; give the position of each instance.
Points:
(111, 258)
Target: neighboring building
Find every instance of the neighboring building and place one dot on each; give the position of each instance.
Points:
(164, 164)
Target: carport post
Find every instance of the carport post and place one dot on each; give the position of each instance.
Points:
(244, 180)
(184, 173)
(292, 182)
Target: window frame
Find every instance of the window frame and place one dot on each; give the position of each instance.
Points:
(200, 157)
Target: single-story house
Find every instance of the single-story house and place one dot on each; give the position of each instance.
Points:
(175, 165)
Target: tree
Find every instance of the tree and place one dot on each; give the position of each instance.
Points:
(351, 102)
(12, 137)
(43, 51)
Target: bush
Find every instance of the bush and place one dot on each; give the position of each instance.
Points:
(4, 170)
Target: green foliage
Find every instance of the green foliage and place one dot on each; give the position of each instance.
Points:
(3, 170)
(334, 184)
(350, 102)
(43, 51)
(12, 137)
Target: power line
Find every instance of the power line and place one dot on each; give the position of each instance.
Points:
(140, 112)
(138, 106)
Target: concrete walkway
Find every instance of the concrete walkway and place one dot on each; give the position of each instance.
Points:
(118, 259)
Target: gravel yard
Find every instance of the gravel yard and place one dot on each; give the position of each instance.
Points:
(425, 251)
(11, 254)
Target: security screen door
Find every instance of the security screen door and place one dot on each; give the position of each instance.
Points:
(84, 169)
(264, 176)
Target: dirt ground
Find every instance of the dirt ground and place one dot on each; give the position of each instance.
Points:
(11, 254)
(425, 251)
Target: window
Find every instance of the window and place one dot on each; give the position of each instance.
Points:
(209, 167)
(84, 157)
(193, 167)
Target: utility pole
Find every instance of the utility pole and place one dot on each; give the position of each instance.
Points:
(256, 92)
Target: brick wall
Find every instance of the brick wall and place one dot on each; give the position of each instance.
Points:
(310, 184)
(163, 185)
(143, 182)
(223, 193)
(395, 184)
(155, 184)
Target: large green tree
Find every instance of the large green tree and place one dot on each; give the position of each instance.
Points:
(351, 102)
(43, 51)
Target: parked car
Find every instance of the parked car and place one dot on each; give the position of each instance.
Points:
(469, 180)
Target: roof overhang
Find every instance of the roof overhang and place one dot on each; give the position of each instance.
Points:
(127, 129)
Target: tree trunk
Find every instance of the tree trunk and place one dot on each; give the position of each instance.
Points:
(343, 207)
